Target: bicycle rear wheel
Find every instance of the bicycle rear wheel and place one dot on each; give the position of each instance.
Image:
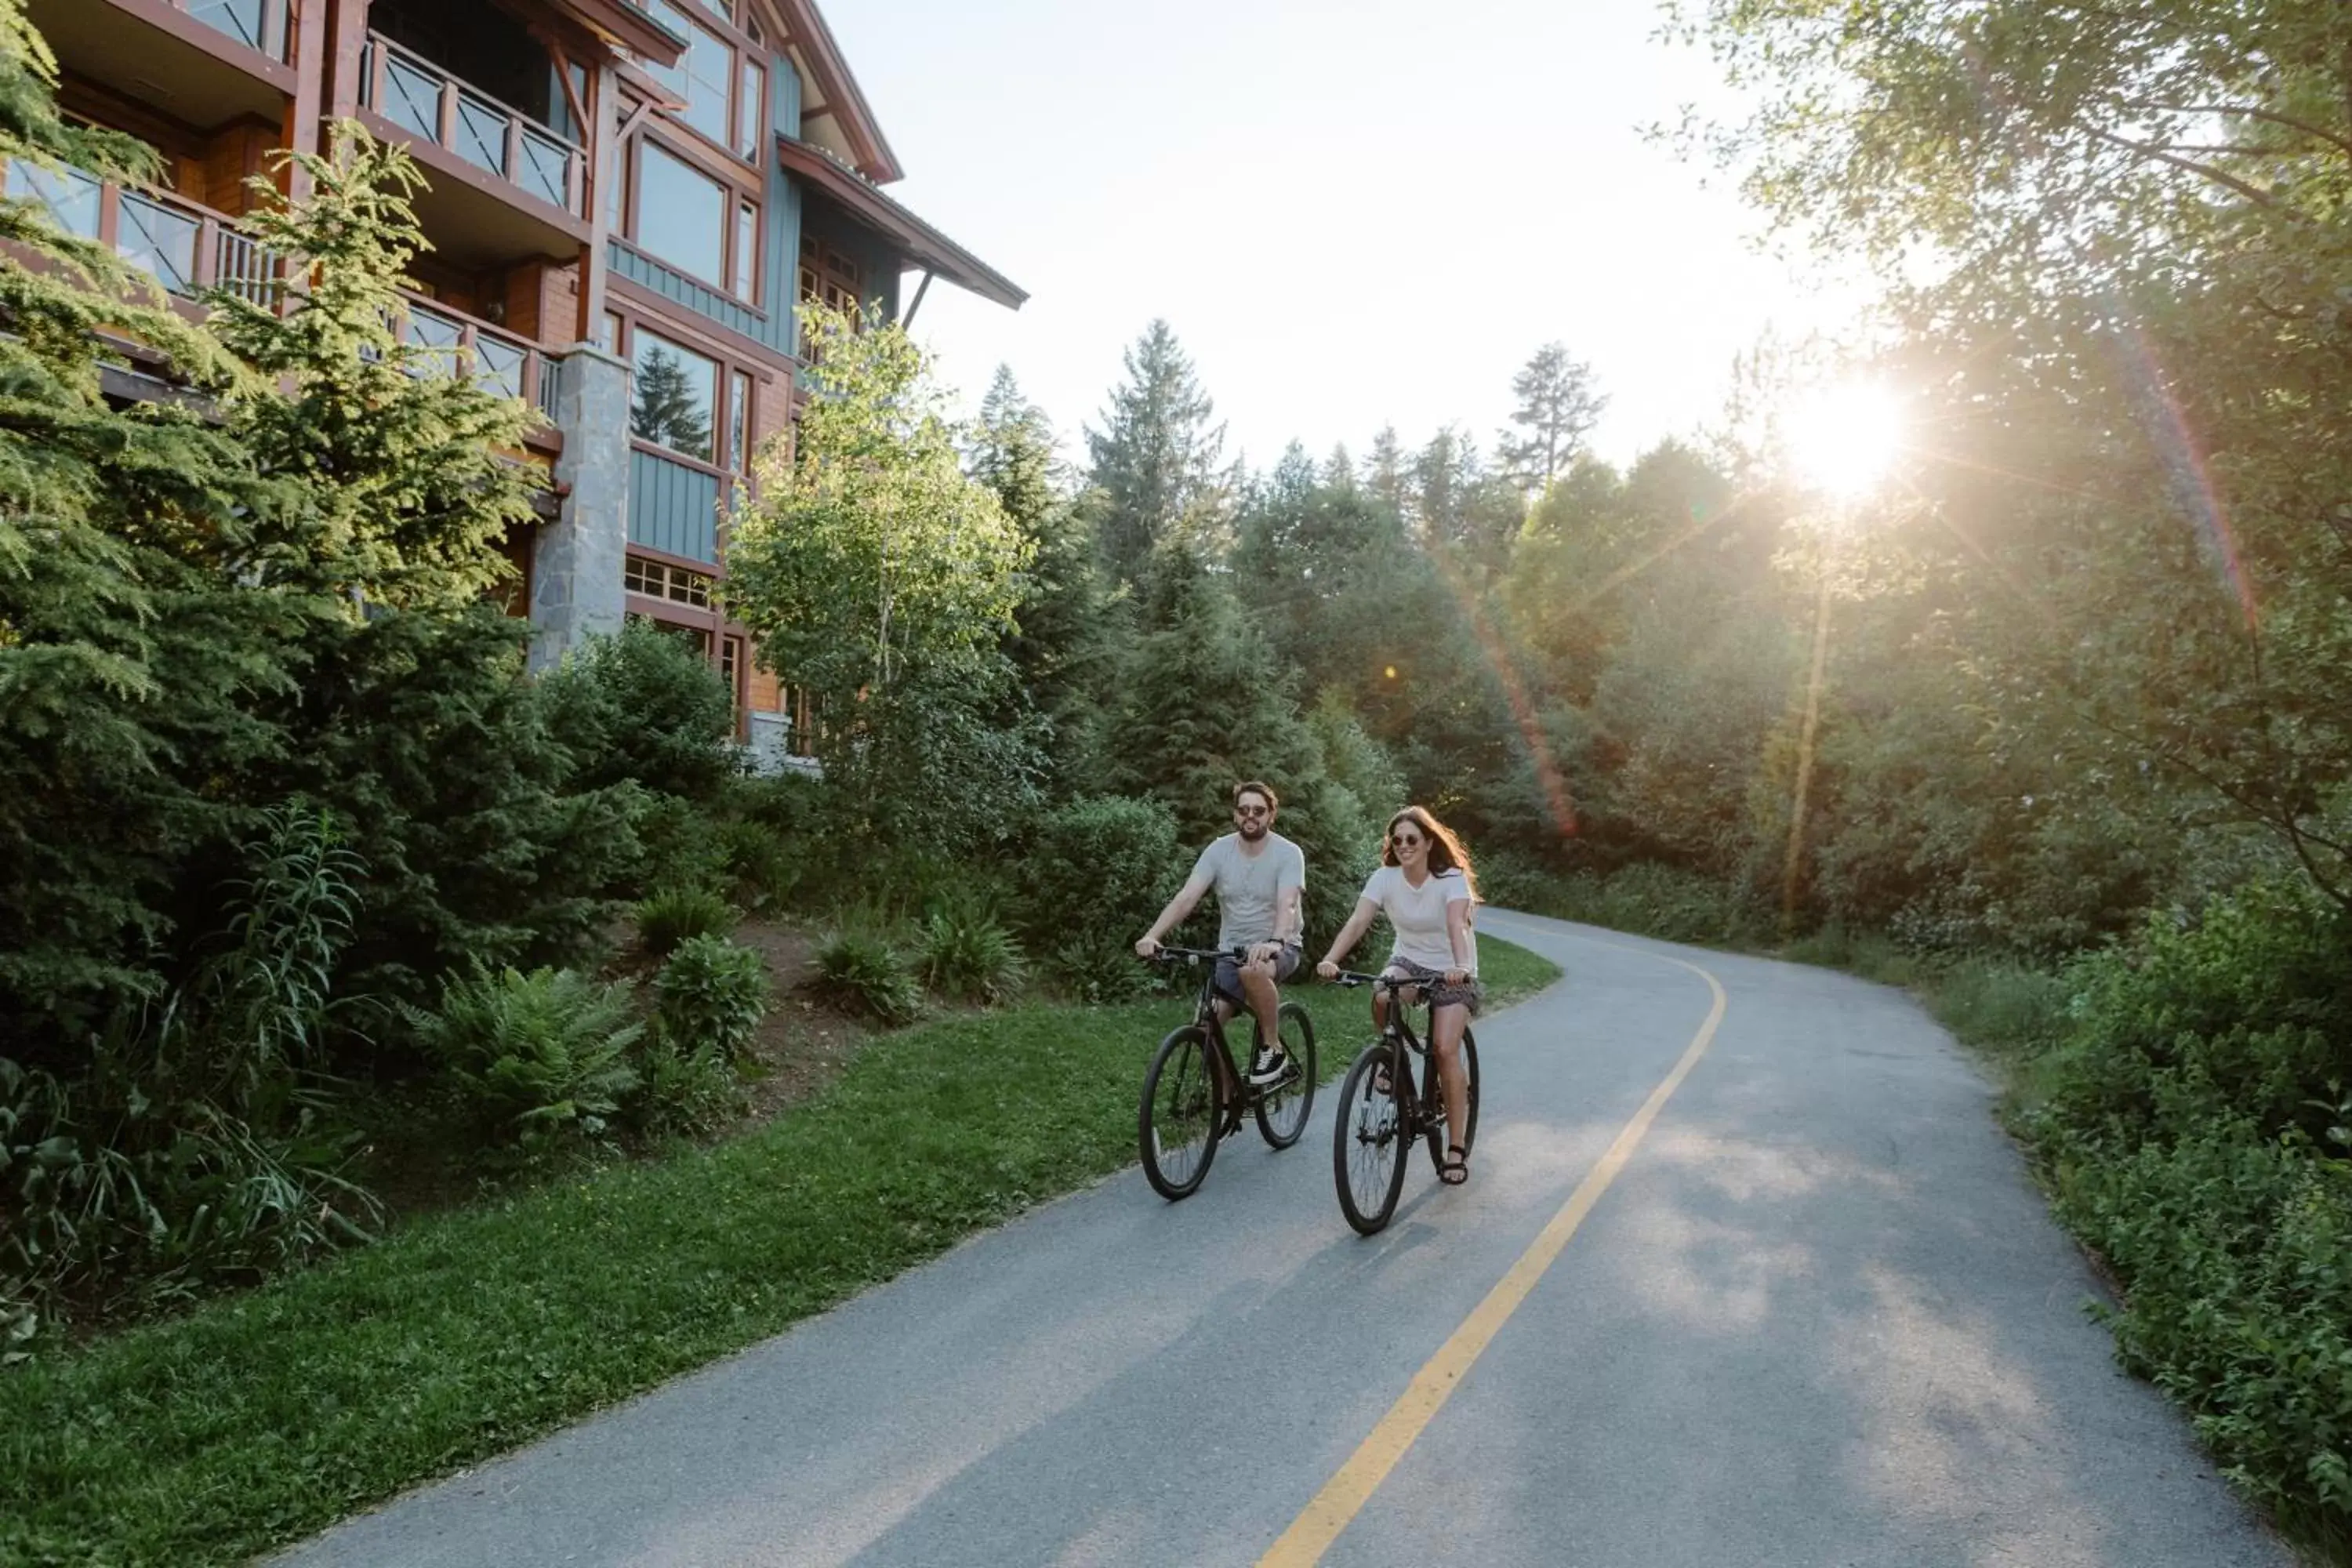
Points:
(1282, 1109)
(1368, 1140)
(1439, 1134)
(1177, 1124)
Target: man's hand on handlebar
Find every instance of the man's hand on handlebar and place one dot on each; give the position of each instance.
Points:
(1328, 970)
(1149, 947)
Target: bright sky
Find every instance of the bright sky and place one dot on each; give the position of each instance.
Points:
(1353, 212)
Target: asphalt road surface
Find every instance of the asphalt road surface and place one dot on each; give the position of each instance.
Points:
(1803, 1309)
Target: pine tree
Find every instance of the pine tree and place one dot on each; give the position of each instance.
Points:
(1556, 404)
(664, 408)
(1155, 460)
(1384, 470)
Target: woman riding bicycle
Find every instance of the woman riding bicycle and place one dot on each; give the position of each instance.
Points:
(1423, 885)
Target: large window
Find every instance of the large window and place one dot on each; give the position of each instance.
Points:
(682, 214)
(748, 106)
(831, 277)
(675, 399)
(721, 95)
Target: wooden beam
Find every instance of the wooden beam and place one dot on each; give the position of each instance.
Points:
(304, 110)
(603, 163)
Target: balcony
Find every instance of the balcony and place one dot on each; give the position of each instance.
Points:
(203, 62)
(502, 184)
(188, 250)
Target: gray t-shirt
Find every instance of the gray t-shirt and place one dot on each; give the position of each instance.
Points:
(1249, 887)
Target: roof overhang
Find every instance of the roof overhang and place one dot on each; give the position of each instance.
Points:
(820, 60)
(922, 244)
(625, 26)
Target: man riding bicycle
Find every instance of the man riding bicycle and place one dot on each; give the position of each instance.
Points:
(1259, 878)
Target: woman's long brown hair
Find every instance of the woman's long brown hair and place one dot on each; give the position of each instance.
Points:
(1445, 851)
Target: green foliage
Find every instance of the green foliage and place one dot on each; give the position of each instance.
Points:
(883, 579)
(540, 1060)
(678, 915)
(1103, 865)
(711, 996)
(645, 707)
(864, 972)
(961, 952)
(1153, 469)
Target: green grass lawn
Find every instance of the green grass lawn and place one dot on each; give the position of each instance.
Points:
(260, 1418)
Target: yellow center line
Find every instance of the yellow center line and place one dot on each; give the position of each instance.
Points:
(1330, 1510)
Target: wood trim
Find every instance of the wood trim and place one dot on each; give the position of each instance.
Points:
(310, 22)
(347, 34)
(690, 146)
(605, 163)
(638, 303)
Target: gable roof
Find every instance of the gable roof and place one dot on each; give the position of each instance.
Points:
(922, 244)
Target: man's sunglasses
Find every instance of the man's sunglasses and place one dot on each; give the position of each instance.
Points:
(1252, 810)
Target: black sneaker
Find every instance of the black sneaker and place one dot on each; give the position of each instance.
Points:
(1268, 1064)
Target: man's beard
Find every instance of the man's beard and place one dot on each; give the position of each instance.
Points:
(1255, 830)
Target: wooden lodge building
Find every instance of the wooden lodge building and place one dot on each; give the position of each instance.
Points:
(616, 189)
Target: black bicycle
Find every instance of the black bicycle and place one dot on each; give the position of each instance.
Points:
(1381, 1110)
(1194, 1095)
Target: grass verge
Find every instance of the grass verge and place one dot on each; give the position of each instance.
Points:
(259, 1419)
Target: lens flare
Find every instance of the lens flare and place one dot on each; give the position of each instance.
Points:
(1845, 439)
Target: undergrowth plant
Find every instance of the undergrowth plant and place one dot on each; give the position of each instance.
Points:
(542, 1059)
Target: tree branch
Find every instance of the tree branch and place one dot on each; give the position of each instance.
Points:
(2260, 197)
(2318, 134)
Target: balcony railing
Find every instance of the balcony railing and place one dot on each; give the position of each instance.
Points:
(425, 100)
(186, 249)
(257, 24)
(497, 361)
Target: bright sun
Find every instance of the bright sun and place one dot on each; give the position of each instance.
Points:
(1844, 438)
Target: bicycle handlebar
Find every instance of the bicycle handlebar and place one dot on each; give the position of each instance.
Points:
(1167, 954)
(1352, 978)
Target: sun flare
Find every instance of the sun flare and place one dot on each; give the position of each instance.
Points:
(1844, 438)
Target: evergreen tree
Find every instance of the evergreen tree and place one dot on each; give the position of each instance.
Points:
(664, 408)
(1384, 470)
(1155, 459)
(1067, 629)
(1556, 404)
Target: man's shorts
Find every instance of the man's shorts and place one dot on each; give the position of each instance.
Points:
(1469, 994)
(1229, 974)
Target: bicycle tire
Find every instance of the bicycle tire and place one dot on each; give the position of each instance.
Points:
(1282, 1114)
(1188, 1120)
(1368, 1142)
(1436, 1136)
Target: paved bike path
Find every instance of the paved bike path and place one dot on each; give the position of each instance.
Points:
(1820, 1317)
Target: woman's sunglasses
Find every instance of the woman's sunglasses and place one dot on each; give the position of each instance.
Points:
(1404, 840)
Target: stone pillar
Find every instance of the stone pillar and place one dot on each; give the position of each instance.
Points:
(576, 565)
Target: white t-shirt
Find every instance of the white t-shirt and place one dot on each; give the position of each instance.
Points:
(1418, 914)
(1250, 887)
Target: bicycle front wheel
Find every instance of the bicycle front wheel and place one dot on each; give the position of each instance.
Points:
(1177, 1125)
(1439, 1135)
(1282, 1109)
(1367, 1140)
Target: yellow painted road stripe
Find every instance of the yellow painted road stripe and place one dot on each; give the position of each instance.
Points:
(1313, 1531)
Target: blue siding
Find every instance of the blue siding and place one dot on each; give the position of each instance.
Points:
(782, 284)
(673, 507)
(680, 289)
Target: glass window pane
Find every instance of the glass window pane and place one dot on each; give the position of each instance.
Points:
(681, 214)
(710, 72)
(750, 108)
(70, 195)
(675, 395)
(671, 17)
(159, 241)
(746, 250)
(739, 420)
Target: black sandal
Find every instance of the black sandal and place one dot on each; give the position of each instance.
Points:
(1457, 1169)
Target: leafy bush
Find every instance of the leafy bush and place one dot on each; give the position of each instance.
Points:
(669, 918)
(861, 972)
(645, 707)
(684, 1091)
(711, 996)
(1101, 967)
(961, 952)
(1101, 865)
(759, 865)
(541, 1057)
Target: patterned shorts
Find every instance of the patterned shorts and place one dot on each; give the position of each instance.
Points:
(1469, 994)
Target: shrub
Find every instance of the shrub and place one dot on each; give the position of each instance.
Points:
(684, 1091)
(758, 864)
(668, 919)
(962, 951)
(711, 996)
(860, 971)
(645, 707)
(541, 1057)
(1101, 967)
(1103, 865)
